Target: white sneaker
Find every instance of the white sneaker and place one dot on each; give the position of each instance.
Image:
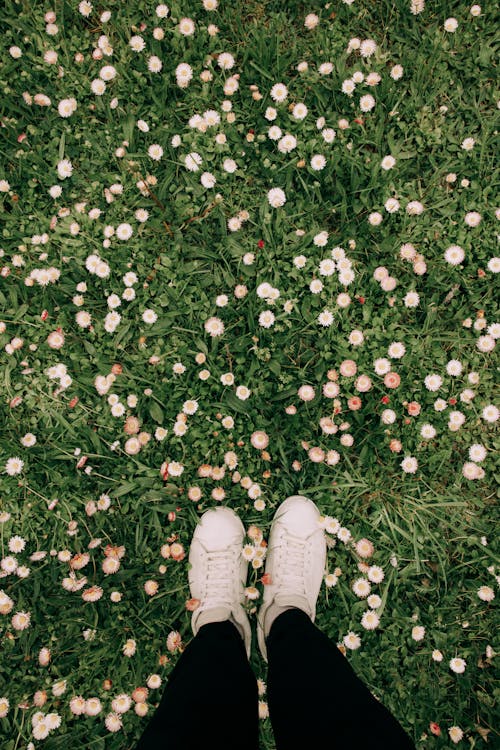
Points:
(218, 572)
(295, 561)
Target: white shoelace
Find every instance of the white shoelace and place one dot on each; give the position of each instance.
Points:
(292, 565)
(220, 577)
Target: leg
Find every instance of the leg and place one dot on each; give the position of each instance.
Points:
(316, 699)
(210, 700)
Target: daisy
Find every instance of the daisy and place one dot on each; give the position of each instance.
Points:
(225, 61)
(327, 267)
(318, 162)
(477, 452)
(285, 144)
(490, 413)
(214, 326)
(367, 48)
(414, 208)
(149, 316)
(356, 337)
(457, 665)
(14, 466)
(28, 440)
(468, 144)
(451, 25)
(375, 218)
(64, 169)
(21, 620)
(85, 8)
(388, 162)
(242, 392)
(454, 255)
(276, 197)
(93, 706)
(299, 111)
(418, 632)
(411, 299)
(124, 232)
(427, 431)
(325, 68)
(494, 265)
(325, 318)
(367, 103)
(454, 367)
(311, 21)
(306, 393)
(351, 641)
(320, 239)
(433, 382)
(372, 79)
(472, 218)
(375, 574)
(370, 620)
(343, 300)
(208, 180)
(186, 26)
(455, 732)
(361, 587)
(66, 107)
(279, 92)
(486, 343)
(113, 722)
(193, 161)
(396, 350)
(92, 594)
(486, 593)
(266, 318)
(409, 465)
(98, 87)
(155, 152)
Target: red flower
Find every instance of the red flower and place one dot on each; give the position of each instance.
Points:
(359, 120)
(73, 402)
(435, 728)
(266, 579)
(165, 472)
(452, 401)
(260, 243)
(44, 315)
(361, 300)
(385, 399)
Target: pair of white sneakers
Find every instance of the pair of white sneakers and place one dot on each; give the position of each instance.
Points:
(295, 564)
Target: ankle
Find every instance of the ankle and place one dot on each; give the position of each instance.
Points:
(274, 611)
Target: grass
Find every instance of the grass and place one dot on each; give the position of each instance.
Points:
(431, 529)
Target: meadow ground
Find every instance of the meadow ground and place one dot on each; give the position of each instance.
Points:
(248, 250)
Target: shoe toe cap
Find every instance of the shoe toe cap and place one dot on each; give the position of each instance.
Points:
(219, 527)
(300, 515)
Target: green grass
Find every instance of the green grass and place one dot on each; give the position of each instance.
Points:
(435, 524)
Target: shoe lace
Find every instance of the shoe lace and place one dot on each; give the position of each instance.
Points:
(294, 551)
(220, 577)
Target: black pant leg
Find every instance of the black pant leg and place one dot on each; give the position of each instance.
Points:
(210, 700)
(315, 698)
